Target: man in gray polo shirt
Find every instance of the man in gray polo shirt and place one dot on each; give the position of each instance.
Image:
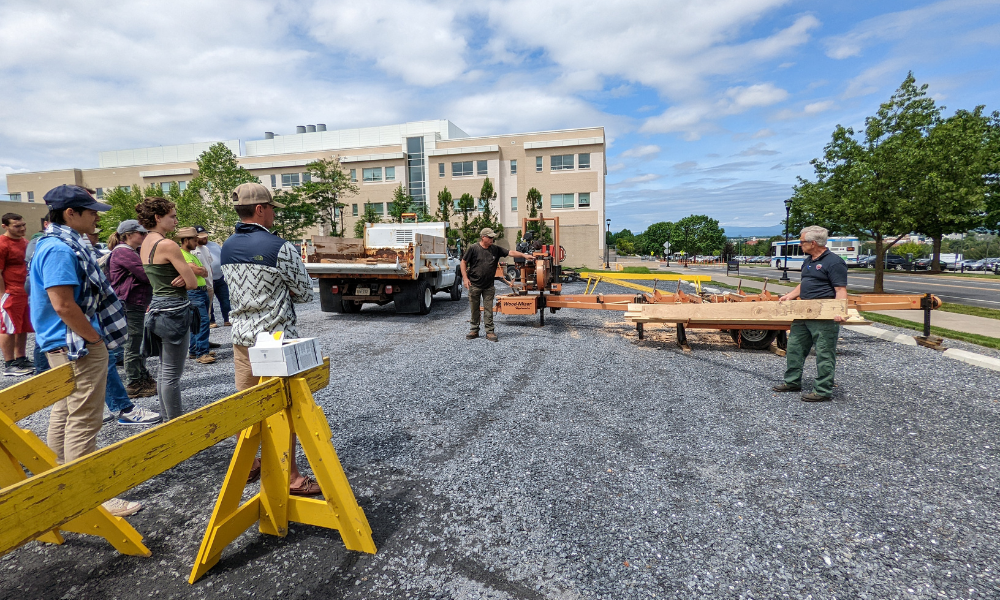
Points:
(824, 275)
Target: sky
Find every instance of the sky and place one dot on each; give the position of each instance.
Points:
(709, 107)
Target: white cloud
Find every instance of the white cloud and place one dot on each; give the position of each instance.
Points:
(744, 98)
(633, 181)
(758, 150)
(694, 119)
(762, 133)
(642, 151)
(818, 107)
(417, 41)
(616, 167)
(770, 214)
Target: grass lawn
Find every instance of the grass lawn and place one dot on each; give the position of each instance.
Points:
(975, 311)
(980, 340)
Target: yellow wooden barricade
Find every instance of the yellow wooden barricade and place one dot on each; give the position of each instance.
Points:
(68, 497)
(623, 279)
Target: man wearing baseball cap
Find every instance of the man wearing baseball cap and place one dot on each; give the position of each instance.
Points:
(479, 266)
(77, 318)
(266, 276)
(199, 347)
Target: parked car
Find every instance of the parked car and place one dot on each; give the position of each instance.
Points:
(972, 265)
(922, 264)
(866, 261)
(895, 262)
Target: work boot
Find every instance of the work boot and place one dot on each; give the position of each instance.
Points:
(492, 337)
(787, 388)
(472, 335)
(205, 359)
(814, 397)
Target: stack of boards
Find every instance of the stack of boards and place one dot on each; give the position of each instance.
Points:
(748, 313)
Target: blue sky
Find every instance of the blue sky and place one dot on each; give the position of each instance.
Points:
(710, 107)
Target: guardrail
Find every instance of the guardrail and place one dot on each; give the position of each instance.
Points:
(68, 497)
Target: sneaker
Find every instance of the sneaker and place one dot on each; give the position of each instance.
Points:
(492, 337)
(13, 369)
(138, 416)
(213, 325)
(108, 415)
(206, 359)
(121, 508)
(472, 335)
(25, 362)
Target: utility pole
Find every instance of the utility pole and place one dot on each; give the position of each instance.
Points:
(788, 212)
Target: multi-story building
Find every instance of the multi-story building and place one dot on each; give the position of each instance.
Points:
(567, 167)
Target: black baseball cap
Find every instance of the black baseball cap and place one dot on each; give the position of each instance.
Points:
(72, 196)
(200, 230)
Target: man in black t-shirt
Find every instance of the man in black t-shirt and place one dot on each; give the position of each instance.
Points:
(479, 266)
(824, 275)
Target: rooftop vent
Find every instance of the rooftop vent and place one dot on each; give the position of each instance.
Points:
(268, 135)
(310, 129)
(300, 129)
(320, 126)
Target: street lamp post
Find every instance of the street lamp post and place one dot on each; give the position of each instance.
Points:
(607, 248)
(788, 212)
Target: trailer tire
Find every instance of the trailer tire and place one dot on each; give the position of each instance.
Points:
(456, 289)
(512, 272)
(425, 296)
(754, 339)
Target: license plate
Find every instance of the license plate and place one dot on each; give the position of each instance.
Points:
(362, 291)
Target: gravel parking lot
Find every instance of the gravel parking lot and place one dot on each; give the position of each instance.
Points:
(575, 461)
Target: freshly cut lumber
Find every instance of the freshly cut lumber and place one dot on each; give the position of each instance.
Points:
(737, 312)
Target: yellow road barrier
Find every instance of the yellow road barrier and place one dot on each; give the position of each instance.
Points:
(624, 280)
(69, 496)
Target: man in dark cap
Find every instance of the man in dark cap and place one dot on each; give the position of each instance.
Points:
(479, 266)
(77, 318)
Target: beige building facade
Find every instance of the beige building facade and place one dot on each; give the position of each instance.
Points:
(567, 167)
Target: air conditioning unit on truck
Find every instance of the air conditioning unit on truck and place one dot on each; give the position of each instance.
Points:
(402, 263)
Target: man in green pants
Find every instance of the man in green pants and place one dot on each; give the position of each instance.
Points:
(824, 276)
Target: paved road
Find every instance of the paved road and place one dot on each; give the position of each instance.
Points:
(960, 290)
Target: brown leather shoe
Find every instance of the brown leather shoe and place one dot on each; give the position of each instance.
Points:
(307, 487)
(813, 397)
(492, 337)
(472, 335)
(787, 388)
(206, 359)
(254, 471)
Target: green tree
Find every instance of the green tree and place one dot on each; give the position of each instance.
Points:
(467, 204)
(657, 234)
(327, 187)
(865, 186)
(400, 204)
(443, 214)
(368, 216)
(298, 214)
(952, 184)
(697, 234)
(123, 202)
(218, 175)
(487, 218)
(533, 202)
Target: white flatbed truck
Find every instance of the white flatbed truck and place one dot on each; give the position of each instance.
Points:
(402, 263)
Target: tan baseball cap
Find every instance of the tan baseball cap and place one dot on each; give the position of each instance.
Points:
(253, 193)
(487, 232)
(186, 232)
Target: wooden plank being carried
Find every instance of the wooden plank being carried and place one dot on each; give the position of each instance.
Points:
(737, 312)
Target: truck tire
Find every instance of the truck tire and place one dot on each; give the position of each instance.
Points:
(456, 289)
(754, 339)
(351, 306)
(512, 272)
(425, 295)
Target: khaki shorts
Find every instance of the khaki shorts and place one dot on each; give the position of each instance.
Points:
(244, 374)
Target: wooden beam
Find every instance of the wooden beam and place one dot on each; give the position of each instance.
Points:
(737, 312)
(32, 395)
(32, 507)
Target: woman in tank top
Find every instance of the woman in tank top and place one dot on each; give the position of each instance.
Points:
(167, 326)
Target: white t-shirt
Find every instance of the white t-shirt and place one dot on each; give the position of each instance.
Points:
(205, 257)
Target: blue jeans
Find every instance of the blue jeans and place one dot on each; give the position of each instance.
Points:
(41, 361)
(115, 396)
(222, 293)
(199, 340)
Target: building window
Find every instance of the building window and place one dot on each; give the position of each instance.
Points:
(440, 169)
(538, 164)
(274, 181)
(416, 170)
(461, 169)
(513, 204)
(127, 189)
(100, 193)
(379, 207)
(354, 175)
(307, 177)
(561, 162)
(354, 210)
(31, 196)
(480, 167)
(182, 185)
(584, 200)
(390, 173)
(584, 161)
(372, 175)
(290, 180)
(165, 187)
(513, 167)
(15, 197)
(480, 204)
(562, 200)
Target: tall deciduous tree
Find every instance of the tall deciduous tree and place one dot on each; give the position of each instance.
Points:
(298, 214)
(697, 234)
(487, 218)
(400, 204)
(218, 175)
(368, 216)
(327, 187)
(657, 234)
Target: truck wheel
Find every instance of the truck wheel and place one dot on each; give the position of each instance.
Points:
(351, 306)
(512, 273)
(754, 339)
(425, 296)
(456, 289)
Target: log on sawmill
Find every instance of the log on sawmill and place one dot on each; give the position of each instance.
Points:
(750, 313)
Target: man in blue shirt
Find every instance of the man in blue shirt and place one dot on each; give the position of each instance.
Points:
(64, 279)
(824, 275)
